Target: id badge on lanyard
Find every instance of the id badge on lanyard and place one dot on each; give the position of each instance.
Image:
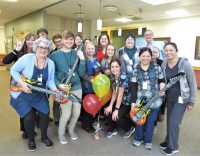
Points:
(40, 79)
(144, 85)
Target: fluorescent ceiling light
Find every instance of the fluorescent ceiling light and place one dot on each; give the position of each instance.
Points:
(123, 20)
(158, 2)
(177, 12)
(11, 0)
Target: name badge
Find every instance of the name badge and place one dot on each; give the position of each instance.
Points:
(180, 100)
(40, 79)
(131, 62)
(144, 85)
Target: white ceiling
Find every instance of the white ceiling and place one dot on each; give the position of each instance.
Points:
(68, 8)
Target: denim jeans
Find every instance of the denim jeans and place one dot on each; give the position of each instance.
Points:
(145, 132)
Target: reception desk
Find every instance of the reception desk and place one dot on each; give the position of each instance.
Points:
(197, 75)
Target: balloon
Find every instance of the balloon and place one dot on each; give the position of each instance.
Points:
(91, 104)
(101, 85)
(106, 98)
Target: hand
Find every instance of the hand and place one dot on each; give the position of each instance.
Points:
(189, 107)
(20, 45)
(108, 110)
(161, 94)
(133, 105)
(63, 87)
(25, 87)
(80, 55)
(107, 72)
(115, 115)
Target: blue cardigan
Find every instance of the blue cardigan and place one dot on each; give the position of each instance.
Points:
(25, 66)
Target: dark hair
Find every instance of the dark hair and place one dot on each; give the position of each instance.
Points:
(78, 36)
(116, 60)
(172, 44)
(42, 30)
(27, 37)
(144, 49)
(102, 34)
(110, 44)
(129, 35)
(56, 36)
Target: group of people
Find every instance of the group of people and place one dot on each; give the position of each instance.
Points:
(136, 74)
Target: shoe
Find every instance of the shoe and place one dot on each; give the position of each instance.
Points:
(148, 146)
(137, 143)
(110, 134)
(128, 134)
(88, 129)
(73, 135)
(62, 139)
(154, 129)
(32, 145)
(164, 145)
(24, 135)
(56, 123)
(47, 142)
(168, 151)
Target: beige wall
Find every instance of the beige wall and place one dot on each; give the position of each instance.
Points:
(182, 31)
(2, 40)
(57, 24)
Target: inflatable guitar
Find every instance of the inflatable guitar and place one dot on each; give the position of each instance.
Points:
(59, 96)
(139, 114)
(66, 78)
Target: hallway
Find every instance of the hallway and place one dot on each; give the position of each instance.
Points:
(11, 142)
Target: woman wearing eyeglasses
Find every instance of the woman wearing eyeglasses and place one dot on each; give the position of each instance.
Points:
(23, 47)
(39, 67)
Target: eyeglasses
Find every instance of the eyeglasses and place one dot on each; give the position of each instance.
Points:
(43, 48)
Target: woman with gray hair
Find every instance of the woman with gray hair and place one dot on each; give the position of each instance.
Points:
(34, 66)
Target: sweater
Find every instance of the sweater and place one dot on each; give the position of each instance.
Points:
(64, 62)
(25, 66)
(188, 86)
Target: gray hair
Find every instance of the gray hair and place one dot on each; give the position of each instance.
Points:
(44, 40)
(149, 30)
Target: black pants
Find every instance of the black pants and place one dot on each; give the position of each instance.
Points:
(124, 120)
(86, 119)
(29, 124)
(56, 111)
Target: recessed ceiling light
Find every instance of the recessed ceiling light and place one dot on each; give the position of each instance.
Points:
(11, 0)
(177, 12)
(110, 8)
(158, 2)
(123, 20)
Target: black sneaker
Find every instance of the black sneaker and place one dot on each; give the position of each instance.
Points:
(24, 135)
(56, 123)
(47, 142)
(163, 145)
(168, 151)
(32, 146)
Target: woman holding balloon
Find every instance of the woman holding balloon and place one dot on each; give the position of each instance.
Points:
(119, 107)
(92, 69)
